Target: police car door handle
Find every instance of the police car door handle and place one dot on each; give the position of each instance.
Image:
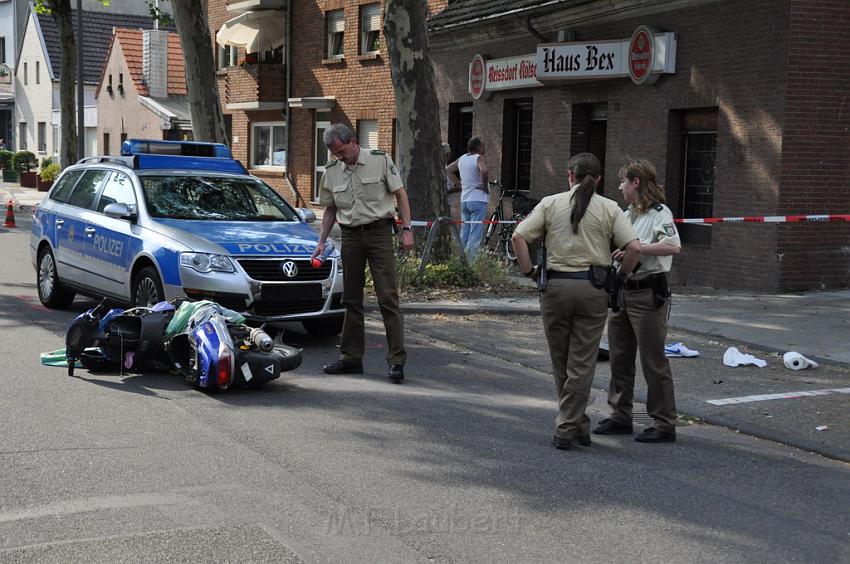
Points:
(60, 222)
(90, 231)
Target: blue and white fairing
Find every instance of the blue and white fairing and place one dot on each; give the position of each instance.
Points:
(215, 353)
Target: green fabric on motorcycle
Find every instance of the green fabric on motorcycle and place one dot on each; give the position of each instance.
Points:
(185, 312)
(57, 358)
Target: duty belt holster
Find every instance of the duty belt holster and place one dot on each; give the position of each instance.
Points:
(660, 290)
(542, 276)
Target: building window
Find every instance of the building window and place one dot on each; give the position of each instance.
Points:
(460, 128)
(272, 56)
(516, 163)
(56, 140)
(105, 143)
(26, 78)
(22, 136)
(38, 72)
(227, 56)
(367, 133)
(370, 28)
(268, 142)
(336, 33)
(2, 50)
(42, 137)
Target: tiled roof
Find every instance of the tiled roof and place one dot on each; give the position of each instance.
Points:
(97, 35)
(465, 11)
(131, 45)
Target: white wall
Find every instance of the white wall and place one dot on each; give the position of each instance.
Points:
(33, 102)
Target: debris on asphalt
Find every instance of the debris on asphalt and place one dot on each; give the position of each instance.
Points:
(734, 357)
(677, 350)
(821, 428)
(796, 361)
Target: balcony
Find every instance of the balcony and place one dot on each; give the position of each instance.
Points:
(255, 86)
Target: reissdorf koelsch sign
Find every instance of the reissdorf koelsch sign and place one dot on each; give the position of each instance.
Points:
(502, 74)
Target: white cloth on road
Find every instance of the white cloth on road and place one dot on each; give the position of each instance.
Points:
(679, 350)
(796, 361)
(734, 357)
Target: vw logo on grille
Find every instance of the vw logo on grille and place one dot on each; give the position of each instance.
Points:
(290, 269)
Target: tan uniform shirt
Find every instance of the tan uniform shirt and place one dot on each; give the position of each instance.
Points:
(574, 252)
(654, 226)
(362, 192)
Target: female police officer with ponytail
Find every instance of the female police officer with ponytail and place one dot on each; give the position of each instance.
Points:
(642, 324)
(578, 227)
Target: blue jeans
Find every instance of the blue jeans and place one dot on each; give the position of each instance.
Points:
(470, 233)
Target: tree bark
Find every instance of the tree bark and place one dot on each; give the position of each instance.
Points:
(417, 114)
(190, 19)
(61, 13)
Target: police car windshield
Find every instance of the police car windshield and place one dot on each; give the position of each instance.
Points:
(214, 198)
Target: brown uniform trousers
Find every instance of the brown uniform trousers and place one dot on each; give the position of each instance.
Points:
(639, 326)
(372, 243)
(574, 314)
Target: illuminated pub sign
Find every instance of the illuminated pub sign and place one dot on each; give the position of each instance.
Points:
(643, 57)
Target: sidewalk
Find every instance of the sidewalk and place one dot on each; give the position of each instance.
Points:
(816, 324)
(22, 198)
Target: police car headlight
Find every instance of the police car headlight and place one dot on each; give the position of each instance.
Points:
(203, 262)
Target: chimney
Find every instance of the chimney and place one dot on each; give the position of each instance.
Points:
(155, 62)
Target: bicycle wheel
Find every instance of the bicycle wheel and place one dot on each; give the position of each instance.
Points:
(490, 229)
(508, 244)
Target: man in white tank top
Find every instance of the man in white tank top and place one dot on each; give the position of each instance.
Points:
(474, 195)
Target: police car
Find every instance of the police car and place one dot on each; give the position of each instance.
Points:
(169, 219)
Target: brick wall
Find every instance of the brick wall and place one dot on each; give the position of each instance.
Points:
(816, 147)
(736, 64)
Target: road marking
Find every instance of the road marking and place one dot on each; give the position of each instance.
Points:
(784, 395)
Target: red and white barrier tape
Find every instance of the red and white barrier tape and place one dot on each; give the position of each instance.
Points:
(703, 220)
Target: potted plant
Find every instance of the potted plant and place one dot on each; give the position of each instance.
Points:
(47, 175)
(23, 162)
(9, 175)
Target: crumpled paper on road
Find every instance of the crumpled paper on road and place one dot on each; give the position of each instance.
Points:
(734, 357)
(796, 361)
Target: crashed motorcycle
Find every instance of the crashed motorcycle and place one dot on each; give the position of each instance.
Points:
(209, 345)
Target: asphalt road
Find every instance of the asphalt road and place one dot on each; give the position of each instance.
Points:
(454, 466)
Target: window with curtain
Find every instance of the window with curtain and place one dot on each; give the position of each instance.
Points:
(370, 28)
(268, 142)
(336, 33)
(367, 133)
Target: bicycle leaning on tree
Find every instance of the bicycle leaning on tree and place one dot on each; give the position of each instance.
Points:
(500, 227)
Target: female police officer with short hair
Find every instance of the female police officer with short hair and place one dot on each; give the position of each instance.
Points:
(579, 227)
(641, 325)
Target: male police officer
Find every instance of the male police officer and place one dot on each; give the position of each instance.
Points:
(361, 190)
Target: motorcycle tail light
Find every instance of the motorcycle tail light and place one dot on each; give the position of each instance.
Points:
(223, 376)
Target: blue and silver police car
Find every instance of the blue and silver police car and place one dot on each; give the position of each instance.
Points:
(168, 219)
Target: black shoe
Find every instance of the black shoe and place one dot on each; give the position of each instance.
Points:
(653, 435)
(561, 443)
(343, 367)
(396, 373)
(583, 440)
(611, 427)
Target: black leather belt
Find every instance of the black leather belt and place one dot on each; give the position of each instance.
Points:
(583, 275)
(642, 284)
(381, 223)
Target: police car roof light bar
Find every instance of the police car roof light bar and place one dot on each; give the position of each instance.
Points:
(210, 164)
(124, 161)
(132, 147)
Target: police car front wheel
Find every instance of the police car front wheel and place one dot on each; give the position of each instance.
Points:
(51, 292)
(147, 289)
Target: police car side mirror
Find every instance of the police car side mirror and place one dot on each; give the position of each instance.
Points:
(306, 215)
(119, 211)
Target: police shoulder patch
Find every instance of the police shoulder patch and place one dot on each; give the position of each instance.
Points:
(377, 152)
(669, 229)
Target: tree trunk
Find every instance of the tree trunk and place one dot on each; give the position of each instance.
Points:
(417, 114)
(61, 12)
(190, 19)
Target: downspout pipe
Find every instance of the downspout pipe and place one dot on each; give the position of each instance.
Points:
(288, 109)
(81, 99)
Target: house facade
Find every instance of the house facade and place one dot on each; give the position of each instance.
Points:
(37, 106)
(339, 72)
(743, 116)
(142, 91)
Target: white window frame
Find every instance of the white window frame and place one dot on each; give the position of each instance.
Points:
(363, 131)
(370, 22)
(41, 137)
(270, 125)
(319, 168)
(335, 24)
